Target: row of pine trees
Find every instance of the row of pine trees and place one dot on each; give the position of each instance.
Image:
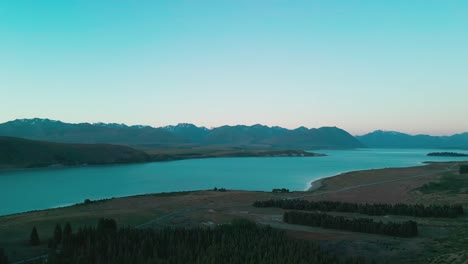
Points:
(365, 225)
(416, 210)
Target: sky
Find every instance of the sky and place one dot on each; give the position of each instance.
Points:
(359, 65)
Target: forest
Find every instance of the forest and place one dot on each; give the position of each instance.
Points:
(241, 241)
(364, 225)
(416, 210)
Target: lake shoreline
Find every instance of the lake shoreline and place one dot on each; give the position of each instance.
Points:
(261, 174)
(314, 185)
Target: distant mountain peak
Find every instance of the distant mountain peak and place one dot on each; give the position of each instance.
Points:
(301, 128)
(34, 120)
(278, 128)
(186, 125)
(260, 126)
(140, 126)
(388, 132)
(180, 126)
(101, 124)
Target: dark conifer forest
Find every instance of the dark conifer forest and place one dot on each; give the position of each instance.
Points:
(416, 210)
(239, 242)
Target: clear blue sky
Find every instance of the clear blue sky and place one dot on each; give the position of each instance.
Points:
(359, 65)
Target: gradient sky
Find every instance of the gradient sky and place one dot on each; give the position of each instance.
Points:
(359, 65)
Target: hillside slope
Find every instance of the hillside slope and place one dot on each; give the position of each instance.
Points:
(23, 153)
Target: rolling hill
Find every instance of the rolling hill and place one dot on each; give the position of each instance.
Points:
(256, 136)
(23, 153)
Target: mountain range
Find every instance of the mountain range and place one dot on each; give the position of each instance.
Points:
(256, 136)
(189, 135)
(392, 139)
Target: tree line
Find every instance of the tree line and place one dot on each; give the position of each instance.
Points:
(418, 210)
(241, 241)
(364, 225)
(280, 190)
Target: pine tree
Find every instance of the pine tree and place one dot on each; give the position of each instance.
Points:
(34, 237)
(67, 231)
(107, 226)
(58, 234)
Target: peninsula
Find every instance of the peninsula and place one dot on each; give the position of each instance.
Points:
(447, 154)
(24, 153)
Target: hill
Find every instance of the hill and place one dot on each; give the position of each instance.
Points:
(256, 136)
(391, 139)
(17, 152)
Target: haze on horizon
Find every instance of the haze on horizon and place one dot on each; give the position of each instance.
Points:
(358, 65)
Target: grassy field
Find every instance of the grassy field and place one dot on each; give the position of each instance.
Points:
(440, 240)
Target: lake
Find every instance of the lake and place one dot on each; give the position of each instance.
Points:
(33, 189)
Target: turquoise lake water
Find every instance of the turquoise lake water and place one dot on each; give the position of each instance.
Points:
(33, 189)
